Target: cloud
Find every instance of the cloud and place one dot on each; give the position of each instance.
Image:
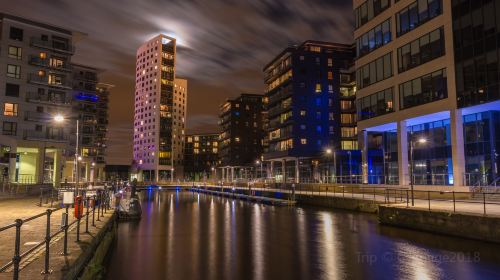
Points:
(223, 44)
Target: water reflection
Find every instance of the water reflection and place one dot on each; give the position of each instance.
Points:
(192, 236)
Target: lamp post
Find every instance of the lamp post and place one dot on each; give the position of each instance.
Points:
(259, 162)
(59, 119)
(412, 183)
(328, 153)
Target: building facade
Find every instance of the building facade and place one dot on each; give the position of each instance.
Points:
(427, 91)
(35, 86)
(201, 156)
(90, 106)
(241, 134)
(159, 113)
(310, 108)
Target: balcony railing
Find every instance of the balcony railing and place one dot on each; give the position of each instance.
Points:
(53, 45)
(43, 80)
(44, 136)
(47, 99)
(45, 62)
(37, 116)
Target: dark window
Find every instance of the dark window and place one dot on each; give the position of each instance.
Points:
(373, 39)
(16, 34)
(422, 50)
(370, 73)
(9, 128)
(12, 90)
(422, 90)
(368, 10)
(416, 14)
(376, 104)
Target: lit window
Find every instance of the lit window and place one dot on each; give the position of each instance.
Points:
(43, 55)
(318, 88)
(15, 52)
(302, 113)
(237, 139)
(41, 73)
(214, 150)
(14, 71)
(330, 62)
(190, 139)
(330, 75)
(10, 109)
(303, 141)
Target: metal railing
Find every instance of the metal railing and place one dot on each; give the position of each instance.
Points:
(99, 202)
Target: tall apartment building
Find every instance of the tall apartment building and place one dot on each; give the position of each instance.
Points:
(35, 85)
(241, 134)
(310, 107)
(90, 107)
(160, 111)
(201, 156)
(428, 91)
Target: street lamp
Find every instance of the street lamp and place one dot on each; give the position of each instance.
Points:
(412, 147)
(330, 151)
(58, 118)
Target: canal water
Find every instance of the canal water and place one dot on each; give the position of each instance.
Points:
(183, 235)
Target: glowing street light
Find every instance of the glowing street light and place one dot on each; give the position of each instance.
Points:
(58, 118)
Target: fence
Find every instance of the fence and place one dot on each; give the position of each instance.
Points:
(466, 202)
(101, 201)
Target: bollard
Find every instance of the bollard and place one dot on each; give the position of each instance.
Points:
(17, 258)
(65, 249)
(46, 269)
(87, 217)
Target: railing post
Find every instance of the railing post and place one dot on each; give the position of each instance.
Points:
(454, 202)
(101, 203)
(429, 199)
(99, 209)
(17, 247)
(47, 244)
(93, 211)
(87, 217)
(484, 203)
(407, 200)
(41, 197)
(65, 249)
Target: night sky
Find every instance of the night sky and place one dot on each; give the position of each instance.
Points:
(222, 46)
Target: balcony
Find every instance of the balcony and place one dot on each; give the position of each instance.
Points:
(44, 136)
(57, 46)
(45, 62)
(47, 99)
(37, 116)
(44, 81)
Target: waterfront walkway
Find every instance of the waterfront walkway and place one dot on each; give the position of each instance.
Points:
(466, 206)
(33, 232)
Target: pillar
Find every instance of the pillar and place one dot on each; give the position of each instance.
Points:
(40, 160)
(363, 140)
(271, 169)
(283, 170)
(157, 176)
(297, 170)
(57, 168)
(12, 164)
(457, 146)
(404, 175)
(223, 174)
(232, 174)
(87, 172)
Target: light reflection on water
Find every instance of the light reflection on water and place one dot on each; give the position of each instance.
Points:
(192, 236)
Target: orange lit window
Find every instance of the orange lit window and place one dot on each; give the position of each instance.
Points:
(330, 75)
(43, 55)
(318, 88)
(41, 73)
(10, 109)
